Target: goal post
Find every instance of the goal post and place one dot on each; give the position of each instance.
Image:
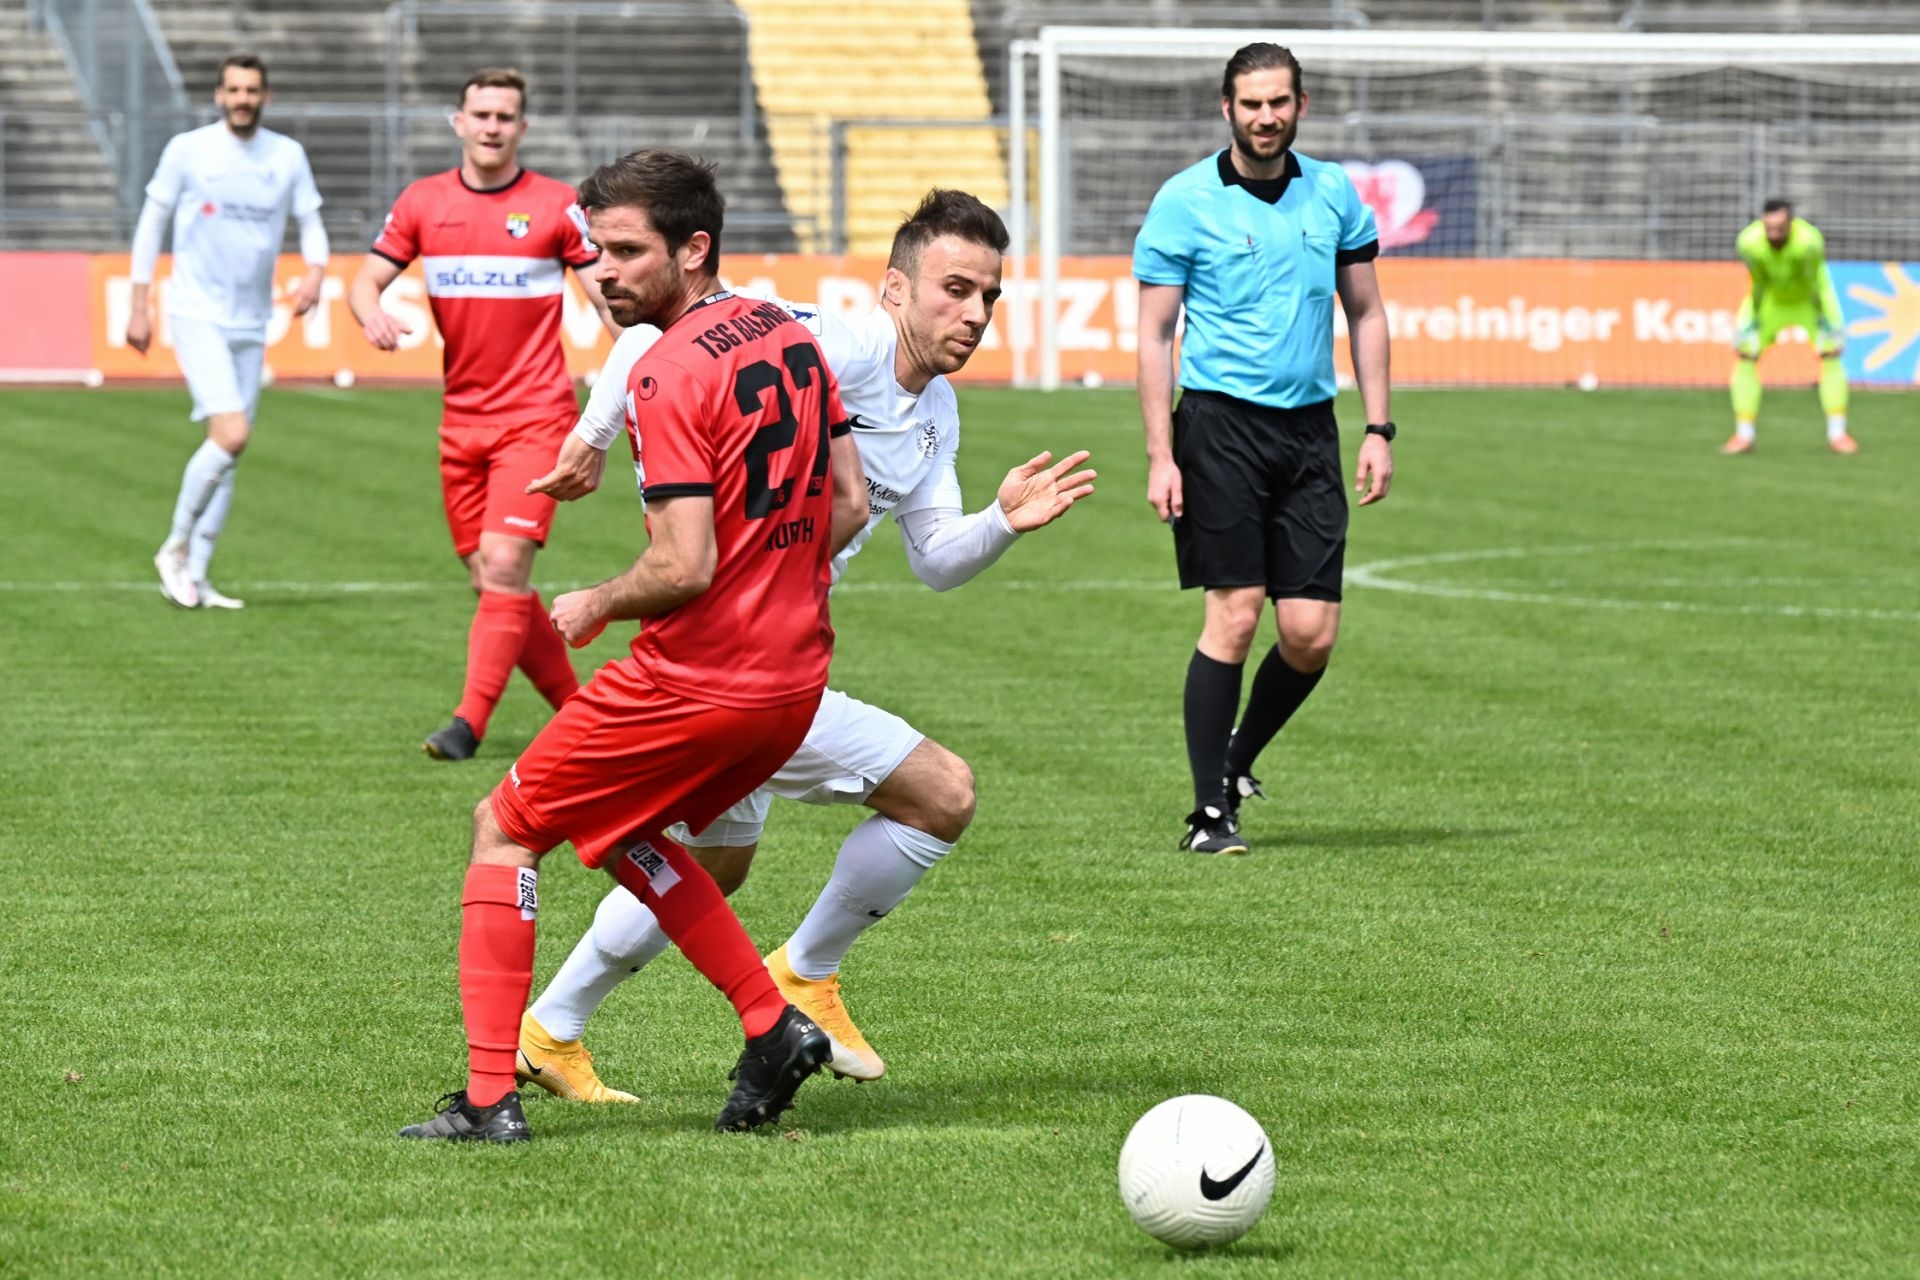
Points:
(1555, 207)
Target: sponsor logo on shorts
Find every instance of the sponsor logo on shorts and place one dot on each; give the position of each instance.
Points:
(518, 224)
(521, 522)
(529, 893)
(513, 775)
(653, 865)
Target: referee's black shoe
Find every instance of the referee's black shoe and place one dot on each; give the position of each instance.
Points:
(1241, 786)
(1211, 831)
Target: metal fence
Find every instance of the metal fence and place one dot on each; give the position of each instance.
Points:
(126, 79)
(362, 155)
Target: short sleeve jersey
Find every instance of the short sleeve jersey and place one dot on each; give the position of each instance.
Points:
(230, 199)
(908, 442)
(1257, 260)
(495, 264)
(1794, 275)
(735, 402)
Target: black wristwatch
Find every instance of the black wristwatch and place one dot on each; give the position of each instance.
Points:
(1385, 430)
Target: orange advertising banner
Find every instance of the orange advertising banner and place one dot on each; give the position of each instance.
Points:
(1454, 321)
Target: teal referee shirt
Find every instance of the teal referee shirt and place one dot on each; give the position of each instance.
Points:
(1257, 261)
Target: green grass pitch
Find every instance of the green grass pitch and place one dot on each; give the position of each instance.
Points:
(1579, 938)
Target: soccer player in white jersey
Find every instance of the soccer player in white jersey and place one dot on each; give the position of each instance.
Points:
(228, 188)
(942, 281)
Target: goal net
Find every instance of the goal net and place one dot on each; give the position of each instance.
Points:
(1553, 208)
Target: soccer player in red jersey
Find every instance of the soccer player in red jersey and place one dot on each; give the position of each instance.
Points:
(495, 240)
(753, 484)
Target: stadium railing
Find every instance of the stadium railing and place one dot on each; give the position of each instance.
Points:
(124, 72)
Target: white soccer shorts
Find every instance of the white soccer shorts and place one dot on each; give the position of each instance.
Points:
(222, 366)
(850, 749)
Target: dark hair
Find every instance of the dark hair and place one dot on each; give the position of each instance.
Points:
(1776, 206)
(946, 213)
(246, 62)
(495, 78)
(677, 191)
(1261, 56)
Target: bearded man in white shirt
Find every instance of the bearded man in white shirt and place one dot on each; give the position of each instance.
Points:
(942, 281)
(228, 189)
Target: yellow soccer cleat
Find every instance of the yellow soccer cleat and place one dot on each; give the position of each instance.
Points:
(853, 1058)
(563, 1068)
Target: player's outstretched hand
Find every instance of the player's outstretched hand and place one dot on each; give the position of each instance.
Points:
(383, 331)
(1164, 491)
(140, 331)
(1373, 476)
(1035, 494)
(576, 618)
(576, 474)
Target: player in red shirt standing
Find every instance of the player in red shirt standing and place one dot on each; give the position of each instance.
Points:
(495, 241)
(753, 484)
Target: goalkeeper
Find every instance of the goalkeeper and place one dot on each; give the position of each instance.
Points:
(1786, 260)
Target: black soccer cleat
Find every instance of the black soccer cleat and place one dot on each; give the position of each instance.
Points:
(457, 1120)
(1211, 831)
(1241, 786)
(771, 1070)
(457, 741)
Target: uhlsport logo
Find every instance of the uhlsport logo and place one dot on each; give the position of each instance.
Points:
(518, 224)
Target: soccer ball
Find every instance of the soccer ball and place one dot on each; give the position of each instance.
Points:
(1196, 1171)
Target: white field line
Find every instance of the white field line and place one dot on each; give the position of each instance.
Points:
(1376, 575)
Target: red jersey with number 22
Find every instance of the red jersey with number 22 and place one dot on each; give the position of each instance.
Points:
(735, 401)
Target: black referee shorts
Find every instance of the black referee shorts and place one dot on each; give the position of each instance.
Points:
(1265, 503)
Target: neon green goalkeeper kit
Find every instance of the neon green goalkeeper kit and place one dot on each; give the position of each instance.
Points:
(1788, 287)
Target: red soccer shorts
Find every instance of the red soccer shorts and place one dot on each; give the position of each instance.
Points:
(624, 758)
(484, 474)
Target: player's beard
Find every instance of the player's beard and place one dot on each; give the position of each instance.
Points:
(1244, 142)
(652, 302)
(240, 130)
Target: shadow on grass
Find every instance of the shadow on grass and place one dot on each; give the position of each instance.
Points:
(1375, 837)
(1239, 1251)
(829, 1108)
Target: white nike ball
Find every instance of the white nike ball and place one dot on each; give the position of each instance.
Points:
(1196, 1172)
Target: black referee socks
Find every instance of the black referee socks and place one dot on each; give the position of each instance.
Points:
(1278, 691)
(1213, 695)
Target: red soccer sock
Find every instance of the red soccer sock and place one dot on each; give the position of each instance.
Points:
(543, 656)
(496, 973)
(493, 646)
(692, 912)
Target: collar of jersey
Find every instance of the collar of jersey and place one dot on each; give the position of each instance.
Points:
(490, 191)
(719, 296)
(1232, 177)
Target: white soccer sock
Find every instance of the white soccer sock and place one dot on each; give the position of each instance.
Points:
(1744, 429)
(878, 866)
(1836, 425)
(207, 531)
(624, 937)
(209, 465)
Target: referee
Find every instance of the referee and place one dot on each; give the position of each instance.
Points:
(1255, 241)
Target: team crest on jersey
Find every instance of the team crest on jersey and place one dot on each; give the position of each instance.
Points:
(518, 224)
(929, 438)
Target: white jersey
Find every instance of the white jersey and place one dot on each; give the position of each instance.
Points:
(907, 443)
(230, 199)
